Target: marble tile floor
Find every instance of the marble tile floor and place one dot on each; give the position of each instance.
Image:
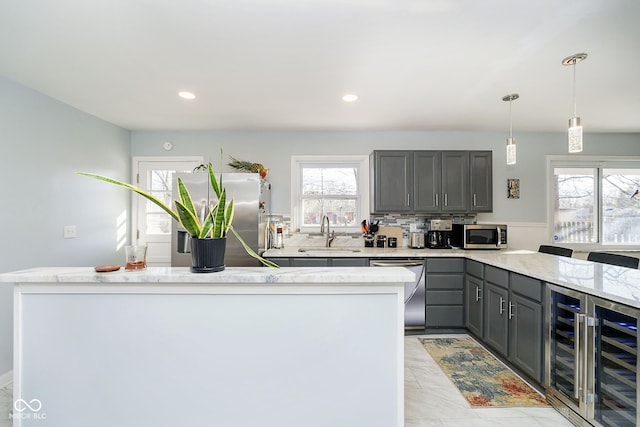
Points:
(431, 400)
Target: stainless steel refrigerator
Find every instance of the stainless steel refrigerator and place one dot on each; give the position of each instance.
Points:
(244, 188)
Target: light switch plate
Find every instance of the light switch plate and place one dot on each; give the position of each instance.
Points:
(69, 232)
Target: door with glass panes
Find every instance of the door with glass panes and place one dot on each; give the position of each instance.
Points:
(151, 225)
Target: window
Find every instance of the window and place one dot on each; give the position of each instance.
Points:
(595, 202)
(335, 186)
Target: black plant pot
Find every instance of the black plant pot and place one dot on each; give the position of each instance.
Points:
(207, 255)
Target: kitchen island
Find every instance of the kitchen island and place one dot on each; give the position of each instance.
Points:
(243, 347)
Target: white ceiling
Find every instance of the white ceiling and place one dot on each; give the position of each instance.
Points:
(285, 64)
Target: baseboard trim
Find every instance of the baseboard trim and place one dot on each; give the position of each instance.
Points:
(6, 379)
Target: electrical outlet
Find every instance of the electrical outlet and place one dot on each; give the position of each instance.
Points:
(69, 232)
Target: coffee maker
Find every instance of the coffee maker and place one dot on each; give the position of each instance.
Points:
(439, 234)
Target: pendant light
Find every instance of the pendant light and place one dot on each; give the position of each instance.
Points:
(575, 128)
(511, 141)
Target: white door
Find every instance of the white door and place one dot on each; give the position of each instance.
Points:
(152, 225)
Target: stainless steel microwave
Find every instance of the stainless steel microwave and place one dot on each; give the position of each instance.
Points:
(479, 236)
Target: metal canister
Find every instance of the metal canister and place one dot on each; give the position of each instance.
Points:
(381, 240)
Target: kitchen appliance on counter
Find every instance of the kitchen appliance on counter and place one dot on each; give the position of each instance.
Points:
(244, 188)
(414, 292)
(591, 359)
(439, 234)
(479, 236)
(416, 240)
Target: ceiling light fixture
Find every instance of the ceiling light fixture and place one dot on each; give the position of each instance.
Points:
(511, 141)
(186, 95)
(575, 128)
(350, 97)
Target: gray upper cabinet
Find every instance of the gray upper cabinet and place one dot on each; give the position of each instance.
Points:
(427, 181)
(392, 173)
(455, 181)
(481, 182)
(430, 181)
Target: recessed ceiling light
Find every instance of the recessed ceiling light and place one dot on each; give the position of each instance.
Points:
(350, 97)
(186, 95)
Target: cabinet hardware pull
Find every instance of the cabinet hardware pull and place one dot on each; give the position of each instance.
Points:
(577, 318)
(436, 199)
(408, 204)
(501, 306)
(474, 200)
(587, 322)
(477, 293)
(511, 305)
(446, 200)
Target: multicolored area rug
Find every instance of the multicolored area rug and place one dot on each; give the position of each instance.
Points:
(481, 378)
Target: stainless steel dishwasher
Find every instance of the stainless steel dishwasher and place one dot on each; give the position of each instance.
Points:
(414, 292)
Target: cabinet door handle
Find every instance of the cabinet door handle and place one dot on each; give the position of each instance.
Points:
(436, 199)
(477, 293)
(474, 200)
(408, 204)
(446, 200)
(511, 305)
(577, 320)
(501, 306)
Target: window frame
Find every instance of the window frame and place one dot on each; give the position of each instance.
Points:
(362, 192)
(599, 163)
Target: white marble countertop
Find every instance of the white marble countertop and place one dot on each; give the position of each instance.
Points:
(618, 284)
(236, 275)
(347, 252)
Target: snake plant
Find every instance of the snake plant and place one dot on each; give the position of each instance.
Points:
(216, 224)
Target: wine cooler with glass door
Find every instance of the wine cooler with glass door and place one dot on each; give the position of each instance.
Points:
(592, 358)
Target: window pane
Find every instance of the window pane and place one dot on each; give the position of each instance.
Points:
(329, 180)
(620, 207)
(159, 184)
(575, 219)
(161, 180)
(158, 223)
(341, 212)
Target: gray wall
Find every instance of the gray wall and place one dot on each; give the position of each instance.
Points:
(43, 143)
(273, 149)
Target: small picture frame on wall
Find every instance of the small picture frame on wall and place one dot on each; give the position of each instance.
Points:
(513, 188)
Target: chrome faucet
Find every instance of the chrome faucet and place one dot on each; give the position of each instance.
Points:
(330, 235)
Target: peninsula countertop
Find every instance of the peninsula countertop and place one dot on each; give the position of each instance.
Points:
(618, 284)
(231, 275)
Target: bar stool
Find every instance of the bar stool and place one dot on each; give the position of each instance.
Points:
(555, 250)
(614, 259)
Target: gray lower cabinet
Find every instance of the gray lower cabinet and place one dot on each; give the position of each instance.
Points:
(309, 262)
(321, 262)
(282, 262)
(349, 262)
(474, 291)
(526, 327)
(513, 319)
(496, 318)
(444, 293)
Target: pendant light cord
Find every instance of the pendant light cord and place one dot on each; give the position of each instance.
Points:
(575, 108)
(510, 121)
